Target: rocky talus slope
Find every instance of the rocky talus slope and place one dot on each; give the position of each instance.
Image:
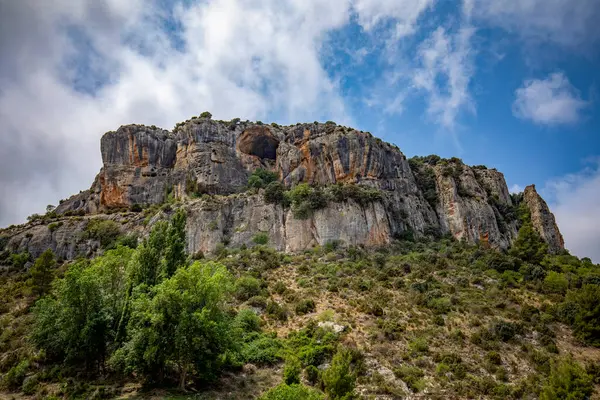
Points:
(206, 165)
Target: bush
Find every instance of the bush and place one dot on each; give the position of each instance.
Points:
(585, 320)
(258, 302)
(276, 311)
(264, 350)
(247, 287)
(305, 306)
(555, 283)
(30, 385)
(312, 374)
(261, 177)
(567, 380)
(291, 371)
(279, 287)
(261, 238)
(54, 226)
(104, 231)
(292, 392)
(247, 321)
(18, 260)
(206, 114)
(412, 376)
(339, 379)
(275, 194)
(15, 376)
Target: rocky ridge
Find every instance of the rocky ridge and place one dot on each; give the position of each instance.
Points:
(206, 164)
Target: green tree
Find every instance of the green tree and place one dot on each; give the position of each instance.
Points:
(79, 324)
(586, 321)
(291, 370)
(175, 255)
(181, 322)
(339, 380)
(567, 380)
(42, 273)
(529, 246)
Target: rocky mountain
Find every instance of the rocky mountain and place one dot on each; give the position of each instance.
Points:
(206, 164)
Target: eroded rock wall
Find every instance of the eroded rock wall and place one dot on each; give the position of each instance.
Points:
(148, 165)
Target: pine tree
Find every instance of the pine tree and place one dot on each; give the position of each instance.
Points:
(42, 273)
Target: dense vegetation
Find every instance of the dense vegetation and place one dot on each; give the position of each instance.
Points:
(438, 317)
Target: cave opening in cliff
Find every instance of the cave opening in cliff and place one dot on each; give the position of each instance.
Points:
(260, 143)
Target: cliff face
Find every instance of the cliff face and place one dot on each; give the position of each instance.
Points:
(542, 219)
(147, 165)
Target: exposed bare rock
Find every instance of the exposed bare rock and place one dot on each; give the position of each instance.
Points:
(148, 165)
(543, 220)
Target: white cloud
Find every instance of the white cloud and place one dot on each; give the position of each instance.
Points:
(251, 59)
(445, 72)
(516, 188)
(550, 101)
(570, 23)
(574, 202)
(403, 13)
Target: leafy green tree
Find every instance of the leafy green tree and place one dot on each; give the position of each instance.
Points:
(182, 322)
(175, 255)
(79, 324)
(567, 380)
(42, 273)
(529, 246)
(73, 327)
(145, 266)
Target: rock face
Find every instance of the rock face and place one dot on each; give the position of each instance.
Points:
(147, 165)
(542, 219)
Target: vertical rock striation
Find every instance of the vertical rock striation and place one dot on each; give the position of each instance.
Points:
(148, 165)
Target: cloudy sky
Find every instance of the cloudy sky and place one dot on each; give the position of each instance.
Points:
(512, 84)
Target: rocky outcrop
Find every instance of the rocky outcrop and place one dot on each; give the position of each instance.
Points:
(144, 165)
(543, 220)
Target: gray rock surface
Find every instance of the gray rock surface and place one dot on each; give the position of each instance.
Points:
(148, 165)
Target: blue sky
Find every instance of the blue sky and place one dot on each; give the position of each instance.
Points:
(512, 84)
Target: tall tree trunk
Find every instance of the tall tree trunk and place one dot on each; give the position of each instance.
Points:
(183, 376)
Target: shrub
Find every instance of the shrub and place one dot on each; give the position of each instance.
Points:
(258, 301)
(275, 194)
(585, 319)
(567, 380)
(206, 114)
(312, 374)
(18, 260)
(305, 199)
(261, 238)
(412, 376)
(291, 370)
(555, 283)
(305, 306)
(136, 207)
(279, 287)
(264, 350)
(54, 226)
(339, 379)
(261, 177)
(15, 376)
(30, 385)
(247, 287)
(493, 358)
(292, 392)
(276, 311)
(104, 231)
(247, 321)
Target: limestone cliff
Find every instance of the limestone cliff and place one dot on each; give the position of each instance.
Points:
(542, 219)
(143, 166)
